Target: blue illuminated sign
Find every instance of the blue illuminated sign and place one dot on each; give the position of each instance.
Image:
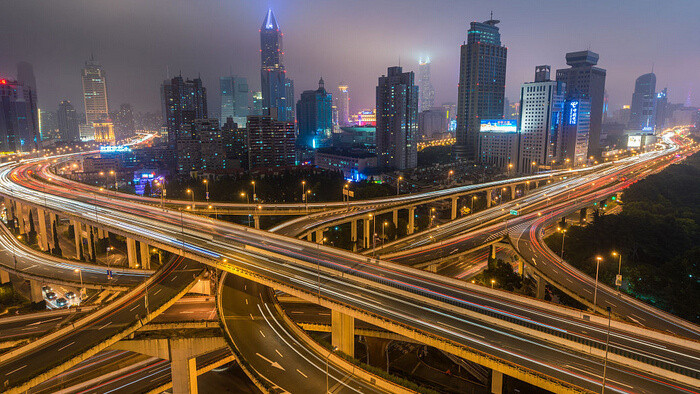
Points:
(573, 112)
(114, 149)
(499, 125)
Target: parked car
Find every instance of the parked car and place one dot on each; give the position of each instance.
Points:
(46, 289)
(70, 295)
(50, 295)
(61, 302)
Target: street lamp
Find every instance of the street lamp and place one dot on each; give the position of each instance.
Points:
(510, 167)
(112, 172)
(383, 227)
(374, 233)
(206, 185)
(398, 182)
(532, 164)
(618, 279)
(473, 199)
(255, 196)
(493, 282)
(245, 195)
(189, 191)
(82, 288)
(597, 268)
(563, 235)
(449, 176)
(432, 216)
(216, 212)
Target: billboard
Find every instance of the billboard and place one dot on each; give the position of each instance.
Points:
(114, 149)
(499, 125)
(634, 141)
(573, 112)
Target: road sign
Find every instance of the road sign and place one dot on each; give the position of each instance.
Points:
(618, 280)
(513, 212)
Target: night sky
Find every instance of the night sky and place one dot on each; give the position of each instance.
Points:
(350, 40)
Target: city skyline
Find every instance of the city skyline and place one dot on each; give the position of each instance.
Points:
(212, 49)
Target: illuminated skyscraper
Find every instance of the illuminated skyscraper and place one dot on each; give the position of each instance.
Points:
(19, 127)
(643, 116)
(343, 105)
(426, 92)
(314, 117)
(276, 87)
(94, 92)
(183, 102)
(482, 82)
(584, 81)
(234, 99)
(397, 120)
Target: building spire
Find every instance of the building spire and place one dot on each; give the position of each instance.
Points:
(270, 23)
(321, 84)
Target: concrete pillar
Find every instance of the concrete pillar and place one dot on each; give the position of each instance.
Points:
(9, 207)
(310, 237)
(366, 232)
(411, 220)
(488, 198)
(183, 369)
(319, 236)
(256, 219)
(43, 234)
(353, 234)
(89, 230)
(20, 218)
(376, 351)
(131, 252)
(454, 208)
(145, 256)
(51, 235)
(4, 277)
(521, 267)
(541, 283)
(496, 382)
(77, 230)
(492, 251)
(35, 291)
(512, 192)
(395, 217)
(343, 332)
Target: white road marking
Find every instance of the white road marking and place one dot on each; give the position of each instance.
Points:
(132, 309)
(156, 293)
(104, 326)
(262, 333)
(251, 317)
(278, 352)
(302, 374)
(65, 346)
(15, 370)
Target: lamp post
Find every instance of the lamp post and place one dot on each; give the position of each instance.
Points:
(206, 185)
(598, 259)
(618, 279)
(432, 216)
(245, 195)
(473, 199)
(383, 227)
(374, 233)
(112, 172)
(216, 212)
(255, 196)
(510, 167)
(82, 288)
(398, 182)
(493, 282)
(327, 357)
(449, 176)
(563, 235)
(607, 343)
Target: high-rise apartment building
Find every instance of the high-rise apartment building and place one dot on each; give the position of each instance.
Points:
(270, 142)
(277, 89)
(397, 120)
(643, 116)
(343, 105)
(482, 82)
(19, 121)
(256, 107)
(67, 119)
(314, 117)
(235, 99)
(540, 118)
(586, 82)
(426, 92)
(94, 92)
(183, 102)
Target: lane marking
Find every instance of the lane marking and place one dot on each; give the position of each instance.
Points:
(262, 333)
(65, 346)
(13, 371)
(302, 374)
(104, 326)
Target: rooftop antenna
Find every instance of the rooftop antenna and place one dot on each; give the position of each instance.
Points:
(491, 15)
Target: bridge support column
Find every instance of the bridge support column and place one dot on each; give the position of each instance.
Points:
(52, 237)
(43, 234)
(365, 232)
(496, 382)
(488, 198)
(77, 230)
(492, 252)
(131, 252)
(353, 234)
(319, 236)
(541, 283)
(376, 351)
(90, 236)
(21, 219)
(10, 210)
(454, 208)
(411, 220)
(183, 369)
(343, 332)
(512, 192)
(145, 256)
(521, 267)
(35, 291)
(395, 217)
(310, 237)
(256, 220)
(4, 277)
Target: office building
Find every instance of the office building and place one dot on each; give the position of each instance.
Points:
(661, 109)
(103, 131)
(277, 89)
(426, 92)
(643, 115)
(124, 123)
(540, 118)
(94, 92)
(25, 76)
(48, 126)
(235, 144)
(432, 123)
(270, 142)
(586, 82)
(67, 119)
(213, 153)
(234, 99)
(362, 137)
(498, 143)
(314, 117)
(183, 102)
(352, 163)
(397, 120)
(482, 81)
(19, 120)
(575, 130)
(256, 106)
(343, 105)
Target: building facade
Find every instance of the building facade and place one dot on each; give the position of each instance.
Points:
(586, 82)
(314, 117)
(94, 92)
(482, 81)
(277, 89)
(234, 99)
(343, 105)
(270, 142)
(426, 91)
(19, 123)
(351, 162)
(575, 130)
(397, 120)
(432, 123)
(183, 101)
(643, 108)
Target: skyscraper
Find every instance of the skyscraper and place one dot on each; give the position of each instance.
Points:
(124, 122)
(575, 130)
(661, 108)
(48, 126)
(343, 105)
(183, 102)
(584, 81)
(643, 116)
(397, 120)
(234, 99)
(94, 92)
(542, 103)
(270, 142)
(426, 98)
(314, 117)
(67, 122)
(273, 79)
(482, 82)
(19, 127)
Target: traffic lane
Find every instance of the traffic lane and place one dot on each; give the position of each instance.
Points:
(189, 308)
(529, 353)
(33, 327)
(316, 314)
(270, 349)
(170, 281)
